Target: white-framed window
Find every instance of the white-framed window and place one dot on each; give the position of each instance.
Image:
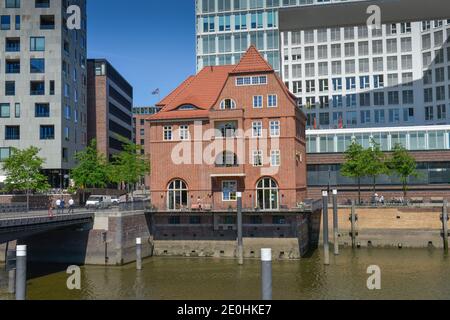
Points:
(272, 101)
(258, 102)
(168, 136)
(229, 190)
(275, 128)
(227, 104)
(258, 158)
(257, 129)
(184, 132)
(275, 158)
(251, 81)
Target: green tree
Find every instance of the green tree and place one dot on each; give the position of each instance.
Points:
(403, 165)
(354, 165)
(24, 172)
(374, 162)
(91, 170)
(129, 166)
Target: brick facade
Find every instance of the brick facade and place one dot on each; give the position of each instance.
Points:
(204, 181)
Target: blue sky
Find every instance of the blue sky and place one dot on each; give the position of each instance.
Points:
(151, 43)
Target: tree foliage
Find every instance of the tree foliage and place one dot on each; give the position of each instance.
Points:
(23, 171)
(354, 166)
(403, 165)
(130, 165)
(374, 162)
(92, 168)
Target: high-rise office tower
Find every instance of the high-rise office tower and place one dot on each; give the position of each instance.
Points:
(43, 82)
(344, 77)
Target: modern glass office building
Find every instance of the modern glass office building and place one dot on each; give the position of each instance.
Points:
(430, 146)
(344, 77)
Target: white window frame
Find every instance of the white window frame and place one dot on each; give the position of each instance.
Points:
(167, 130)
(259, 154)
(184, 133)
(257, 128)
(277, 155)
(260, 98)
(275, 128)
(232, 191)
(222, 104)
(268, 101)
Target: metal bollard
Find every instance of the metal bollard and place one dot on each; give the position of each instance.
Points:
(326, 240)
(335, 223)
(240, 249)
(21, 273)
(266, 275)
(138, 254)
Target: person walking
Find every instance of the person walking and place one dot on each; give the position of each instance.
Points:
(58, 206)
(50, 209)
(63, 206)
(71, 205)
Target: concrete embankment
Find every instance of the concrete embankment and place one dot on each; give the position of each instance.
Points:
(111, 238)
(282, 249)
(407, 227)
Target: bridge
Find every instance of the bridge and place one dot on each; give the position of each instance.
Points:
(14, 226)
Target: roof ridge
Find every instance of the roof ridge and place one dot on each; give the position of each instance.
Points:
(246, 64)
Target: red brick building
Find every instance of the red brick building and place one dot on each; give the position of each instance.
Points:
(228, 130)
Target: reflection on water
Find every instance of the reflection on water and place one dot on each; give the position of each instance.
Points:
(406, 274)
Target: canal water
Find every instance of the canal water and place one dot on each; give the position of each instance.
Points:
(406, 274)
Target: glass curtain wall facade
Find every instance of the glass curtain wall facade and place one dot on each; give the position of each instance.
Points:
(415, 139)
(344, 77)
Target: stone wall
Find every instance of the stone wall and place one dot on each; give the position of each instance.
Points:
(391, 227)
(86, 244)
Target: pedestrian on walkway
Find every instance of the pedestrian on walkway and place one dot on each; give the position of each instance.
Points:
(50, 209)
(58, 206)
(63, 205)
(71, 205)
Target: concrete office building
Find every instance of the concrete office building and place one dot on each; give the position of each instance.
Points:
(43, 83)
(110, 101)
(344, 77)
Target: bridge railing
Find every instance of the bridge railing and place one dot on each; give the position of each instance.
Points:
(13, 208)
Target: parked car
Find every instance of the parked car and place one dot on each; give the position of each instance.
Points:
(99, 202)
(115, 200)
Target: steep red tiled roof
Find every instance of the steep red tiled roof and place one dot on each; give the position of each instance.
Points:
(203, 89)
(175, 92)
(252, 61)
(200, 91)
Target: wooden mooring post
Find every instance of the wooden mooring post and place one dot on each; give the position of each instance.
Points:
(353, 219)
(444, 219)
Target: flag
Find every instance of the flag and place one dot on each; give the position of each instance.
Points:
(341, 123)
(155, 92)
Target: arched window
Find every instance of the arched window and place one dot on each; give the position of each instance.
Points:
(227, 159)
(177, 195)
(227, 104)
(267, 194)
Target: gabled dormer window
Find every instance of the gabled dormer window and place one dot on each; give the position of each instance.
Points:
(227, 104)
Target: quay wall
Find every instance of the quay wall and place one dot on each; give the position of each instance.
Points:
(109, 240)
(407, 227)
